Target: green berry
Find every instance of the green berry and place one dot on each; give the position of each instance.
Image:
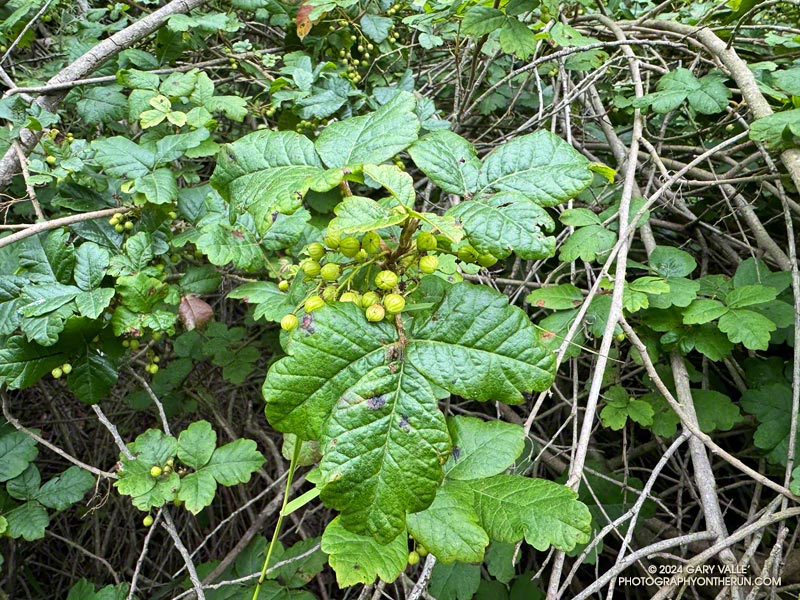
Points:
(330, 272)
(468, 254)
(57, 373)
(128, 225)
(147, 521)
(153, 368)
(67, 368)
(316, 250)
(620, 337)
(329, 293)
(331, 241)
(413, 558)
(172, 214)
(126, 343)
(283, 285)
(394, 303)
(311, 268)
(170, 462)
(350, 297)
(312, 303)
(486, 260)
(349, 246)
(119, 228)
(51, 160)
(157, 336)
(155, 471)
(134, 344)
(386, 280)
(426, 242)
(289, 322)
(361, 257)
(156, 359)
(422, 550)
(375, 313)
(118, 217)
(428, 264)
(370, 298)
(113, 221)
(371, 243)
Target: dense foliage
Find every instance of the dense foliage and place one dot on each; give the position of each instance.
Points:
(358, 298)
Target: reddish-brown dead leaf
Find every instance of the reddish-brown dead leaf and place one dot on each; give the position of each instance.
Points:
(194, 312)
(302, 20)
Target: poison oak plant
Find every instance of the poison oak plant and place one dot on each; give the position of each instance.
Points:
(377, 335)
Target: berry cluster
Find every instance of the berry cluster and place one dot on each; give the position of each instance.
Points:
(367, 272)
(64, 369)
(120, 223)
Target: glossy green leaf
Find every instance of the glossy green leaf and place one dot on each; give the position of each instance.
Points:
(557, 297)
(92, 378)
(447, 159)
(356, 214)
(65, 490)
(360, 559)
(748, 327)
(91, 262)
(703, 310)
(196, 444)
(399, 183)
(372, 138)
(17, 450)
(504, 223)
(482, 448)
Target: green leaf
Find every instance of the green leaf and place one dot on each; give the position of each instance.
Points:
(748, 327)
(715, 411)
(753, 271)
(579, 217)
(120, 157)
(707, 95)
(703, 310)
(504, 223)
(39, 300)
(197, 490)
(100, 104)
(500, 561)
(587, 244)
(772, 406)
(545, 513)
(92, 304)
(482, 20)
(671, 262)
(266, 171)
(271, 303)
(341, 384)
(17, 450)
(224, 245)
(682, 292)
(376, 28)
(381, 451)
(23, 363)
(91, 262)
(482, 448)
(48, 257)
(158, 187)
(450, 528)
(356, 213)
(771, 129)
(203, 279)
(25, 485)
(711, 342)
(399, 183)
(92, 378)
(65, 490)
(151, 448)
(457, 581)
(747, 295)
(235, 462)
(360, 559)
(517, 39)
(28, 521)
(196, 444)
(447, 159)
(538, 165)
(620, 407)
(140, 293)
(372, 138)
(557, 297)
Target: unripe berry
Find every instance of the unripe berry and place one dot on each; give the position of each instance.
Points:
(147, 521)
(330, 272)
(57, 373)
(468, 254)
(486, 260)
(361, 257)
(422, 550)
(134, 344)
(386, 280)
(394, 303)
(119, 228)
(172, 214)
(371, 242)
(370, 298)
(118, 217)
(312, 303)
(153, 368)
(413, 558)
(426, 242)
(375, 313)
(331, 241)
(283, 285)
(316, 250)
(67, 368)
(350, 297)
(155, 471)
(113, 221)
(428, 264)
(128, 225)
(349, 246)
(51, 160)
(289, 322)
(310, 267)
